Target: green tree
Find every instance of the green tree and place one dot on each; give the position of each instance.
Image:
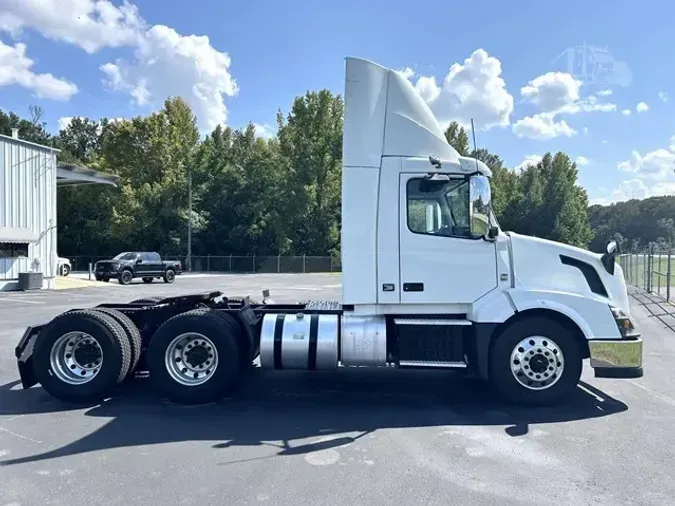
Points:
(457, 138)
(310, 139)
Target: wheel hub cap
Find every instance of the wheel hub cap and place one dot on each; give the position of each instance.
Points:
(191, 359)
(76, 358)
(537, 362)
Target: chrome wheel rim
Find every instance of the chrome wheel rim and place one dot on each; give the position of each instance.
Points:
(191, 359)
(537, 363)
(76, 358)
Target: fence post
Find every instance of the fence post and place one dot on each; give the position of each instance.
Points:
(208, 263)
(668, 278)
(253, 264)
(331, 264)
(91, 268)
(303, 264)
(230, 263)
(278, 264)
(650, 263)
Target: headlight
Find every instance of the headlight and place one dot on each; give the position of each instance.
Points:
(624, 323)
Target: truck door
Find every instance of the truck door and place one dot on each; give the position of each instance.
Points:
(443, 259)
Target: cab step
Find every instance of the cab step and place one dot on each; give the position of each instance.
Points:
(432, 321)
(433, 363)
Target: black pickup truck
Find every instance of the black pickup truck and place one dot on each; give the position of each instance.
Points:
(137, 264)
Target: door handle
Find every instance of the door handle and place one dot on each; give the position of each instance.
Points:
(413, 287)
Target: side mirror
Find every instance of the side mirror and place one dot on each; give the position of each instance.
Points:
(609, 258)
(139, 261)
(493, 232)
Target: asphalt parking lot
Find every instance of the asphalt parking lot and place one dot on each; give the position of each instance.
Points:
(346, 437)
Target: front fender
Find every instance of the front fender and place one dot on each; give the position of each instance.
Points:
(591, 315)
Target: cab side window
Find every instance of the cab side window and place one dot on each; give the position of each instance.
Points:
(438, 207)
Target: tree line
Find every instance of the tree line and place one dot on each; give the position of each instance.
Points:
(281, 195)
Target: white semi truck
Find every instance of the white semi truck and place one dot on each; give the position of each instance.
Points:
(429, 281)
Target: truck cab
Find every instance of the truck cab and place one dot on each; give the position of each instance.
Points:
(422, 250)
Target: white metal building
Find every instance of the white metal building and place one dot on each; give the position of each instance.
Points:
(29, 176)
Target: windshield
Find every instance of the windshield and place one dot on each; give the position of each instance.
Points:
(126, 256)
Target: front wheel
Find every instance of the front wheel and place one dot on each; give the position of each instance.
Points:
(535, 361)
(126, 277)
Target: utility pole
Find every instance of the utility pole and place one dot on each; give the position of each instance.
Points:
(189, 237)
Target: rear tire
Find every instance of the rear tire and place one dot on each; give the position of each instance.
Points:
(132, 332)
(169, 276)
(535, 362)
(180, 376)
(103, 363)
(65, 270)
(147, 280)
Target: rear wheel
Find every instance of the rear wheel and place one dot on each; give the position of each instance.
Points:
(535, 362)
(194, 357)
(81, 356)
(147, 280)
(169, 276)
(65, 270)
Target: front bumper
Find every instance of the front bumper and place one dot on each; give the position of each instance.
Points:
(616, 358)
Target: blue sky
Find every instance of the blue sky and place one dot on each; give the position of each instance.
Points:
(114, 59)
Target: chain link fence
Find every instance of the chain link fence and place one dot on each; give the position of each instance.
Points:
(236, 264)
(650, 270)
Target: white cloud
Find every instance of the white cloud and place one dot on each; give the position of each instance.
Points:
(407, 73)
(672, 143)
(542, 127)
(554, 94)
(605, 93)
(552, 91)
(586, 131)
(473, 89)
(633, 189)
(604, 142)
(663, 96)
(64, 122)
(658, 164)
(167, 64)
(264, 130)
(529, 160)
(88, 24)
(582, 160)
(16, 69)
(164, 62)
(642, 107)
(626, 112)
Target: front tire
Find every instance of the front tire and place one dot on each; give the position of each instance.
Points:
(65, 270)
(194, 358)
(81, 356)
(125, 277)
(535, 362)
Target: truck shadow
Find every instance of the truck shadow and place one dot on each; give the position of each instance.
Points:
(276, 409)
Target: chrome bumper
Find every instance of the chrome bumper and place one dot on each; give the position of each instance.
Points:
(620, 358)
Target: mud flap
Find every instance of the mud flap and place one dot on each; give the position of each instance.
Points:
(24, 356)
